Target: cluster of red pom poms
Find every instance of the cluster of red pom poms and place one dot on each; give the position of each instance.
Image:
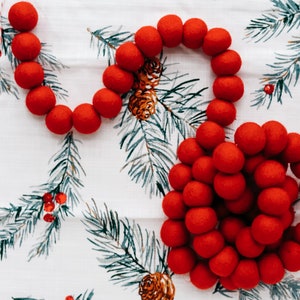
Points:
(230, 215)
(119, 77)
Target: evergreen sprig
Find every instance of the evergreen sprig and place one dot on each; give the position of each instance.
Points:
(128, 251)
(285, 73)
(284, 16)
(19, 221)
(7, 85)
(107, 40)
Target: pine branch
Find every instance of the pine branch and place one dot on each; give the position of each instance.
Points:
(86, 296)
(284, 16)
(128, 252)
(107, 40)
(222, 291)
(7, 85)
(51, 80)
(253, 294)
(286, 72)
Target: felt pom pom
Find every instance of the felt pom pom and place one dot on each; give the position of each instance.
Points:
(179, 175)
(197, 193)
(40, 100)
(200, 219)
(246, 275)
(202, 277)
(250, 138)
(194, 31)
(271, 269)
(181, 260)
(290, 185)
(203, 169)
(295, 168)
(252, 162)
(224, 263)
(216, 41)
(29, 74)
(59, 119)
(149, 41)
(189, 150)
(246, 245)
(266, 229)
(174, 233)
(228, 62)
(173, 205)
(107, 103)
(269, 173)
(229, 186)
(170, 27)
(23, 16)
(289, 253)
(291, 152)
(221, 112)
(210, 134)
(117, 79)
(276, 137)
(25, 46)
(230, 88)
(242, 204)
(230, 227)
(129, 57)
(228, 158)
(227, 283)
(86, 119)
(209, 243)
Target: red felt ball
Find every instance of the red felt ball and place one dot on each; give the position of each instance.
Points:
(287, 218)
(221, 112)
(243, 204)
(276, 137)
(40, 100)
(170, 28)
(270, 268)
(295, 168)
(129, 57)
(173, 205)
(181, 260)
(210, 134)
(291, 153)
(246, 275)
(107, 103)
(86, 119)
(246, 245)
(251, 162)
(227, 283)
(229, 186)
(228, 158)
(194, 31)
(290, 185)
(59, 119)
(25, 46)
(173, 233)
(23, 16)
(250, 138)
(228, 62)
(224, 263)
(289, 253)
(203, 169)
(29, 74)
(230, 88)
(266, 229)
(117, 79)
(269, 173)
(179, 175)
(200, 219)
(197, 193)
(149, 41)
(273, 201)
(202, 277)
(208, 244)
(189, 150)
(230, 227)
(216, 41)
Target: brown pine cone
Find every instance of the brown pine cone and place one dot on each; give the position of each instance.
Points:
(157, 286)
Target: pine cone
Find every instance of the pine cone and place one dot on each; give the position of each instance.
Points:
(142, 104)
(157, 286)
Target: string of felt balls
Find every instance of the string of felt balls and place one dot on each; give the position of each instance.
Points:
(118, 78)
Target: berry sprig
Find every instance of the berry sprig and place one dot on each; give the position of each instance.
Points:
(50, 203)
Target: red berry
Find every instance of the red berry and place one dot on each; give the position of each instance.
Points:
(49, 218)
(61, 198)
(269, 89)
(47, 197)
(49, 206)
(69, 297)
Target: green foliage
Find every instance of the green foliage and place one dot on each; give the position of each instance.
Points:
(284, 16)
(107, 40)
(128, 251)
(19, 221)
